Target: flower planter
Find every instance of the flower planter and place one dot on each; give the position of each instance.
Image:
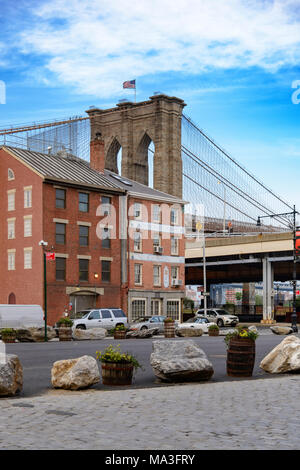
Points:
(8, 338)
(120, 334)
(169, 330)
(213, 332)
(116, 373)
(240, 357)
(65, 334)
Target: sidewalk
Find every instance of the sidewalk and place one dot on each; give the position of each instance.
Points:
(244, 414)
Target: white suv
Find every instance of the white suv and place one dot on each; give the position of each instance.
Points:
(219, 316)
(107, 318)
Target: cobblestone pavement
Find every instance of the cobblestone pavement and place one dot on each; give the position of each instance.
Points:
(245, 414)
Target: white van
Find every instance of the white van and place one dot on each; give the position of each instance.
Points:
(21, 316)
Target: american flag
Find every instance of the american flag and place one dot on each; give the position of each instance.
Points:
(129, 84)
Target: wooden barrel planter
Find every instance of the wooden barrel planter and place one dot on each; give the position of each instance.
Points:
(120, 334)
(65, 334)
(240, 357)
(9, 338)
(116, 373)
(213, 332)
(169, 329)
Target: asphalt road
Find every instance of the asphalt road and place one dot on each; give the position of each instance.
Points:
(37, 359)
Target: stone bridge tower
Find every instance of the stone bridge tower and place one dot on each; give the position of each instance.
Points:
(133, 126)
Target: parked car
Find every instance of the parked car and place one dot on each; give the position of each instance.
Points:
(21, 316)
(219, 316)
(107, 318)
(81, 314)
(197, 322)
(156, 321)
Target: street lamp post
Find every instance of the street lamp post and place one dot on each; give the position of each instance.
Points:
(293, 227)
(43, 244)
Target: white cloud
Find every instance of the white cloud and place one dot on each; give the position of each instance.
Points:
(93, 45)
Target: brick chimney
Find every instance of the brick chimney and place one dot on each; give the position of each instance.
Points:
(97, 156)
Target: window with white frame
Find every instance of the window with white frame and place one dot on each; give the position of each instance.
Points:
(11, 233)
(137, 241)
(27, 197)
(138, 308)
(174, 216)
(173, 309)
(28, 226)
(10, 175)
(11, 200)
(174, 245)
(174, 273)
(27, 258)
(11, 259)
(156, 240)
(156, 275)
(137, 210)
(156, 213)
(138, 268)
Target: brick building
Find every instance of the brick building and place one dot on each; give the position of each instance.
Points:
(116, 242)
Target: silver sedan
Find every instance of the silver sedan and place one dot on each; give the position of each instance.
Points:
(145, 323)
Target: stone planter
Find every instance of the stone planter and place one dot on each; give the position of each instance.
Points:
(169, 329)
(240, 357)
(65, 333)
(116, 373)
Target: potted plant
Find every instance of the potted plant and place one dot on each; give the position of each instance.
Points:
(119, 332)
(213, 330)
(169, 327)
(241, 352)
(8, 335)
(117, 367)
(65, 329)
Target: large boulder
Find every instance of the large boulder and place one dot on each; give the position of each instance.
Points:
(35, 335)
(283, 358)
(91, 333)
(180, 361)
(75, 374)
(188, 331)
(11, 375)
(281, 330)
(146, 333)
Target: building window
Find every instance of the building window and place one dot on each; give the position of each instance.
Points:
(27, 227)
(174, 273)
(60, 269)
(11, 200)
(156, 275)
(83, 202)
(11, 175)
(60, 233)
(138, 308)
(60, 201)
(156, 213)
(83, 270)
(173, 309)
(138, 274)
(11, 260)
(174, 246)
(105, 238)
(174, 216)
(106, 202)
(137, 241)
(83, 235)
(105, 269)
(27, 258)
(27, 197)
(137, 210)
(11, 233)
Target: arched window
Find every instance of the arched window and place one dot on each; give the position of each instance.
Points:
(114, 157)
(11, 298)
(11, 175)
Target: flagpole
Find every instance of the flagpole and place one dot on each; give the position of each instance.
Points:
(135, 92)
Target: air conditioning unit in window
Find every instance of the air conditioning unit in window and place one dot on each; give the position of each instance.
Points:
(176, 282)
(158, 249)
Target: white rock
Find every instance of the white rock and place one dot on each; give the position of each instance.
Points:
(91, 333)
(11, 375)
(253, 328)
(284, 358)
(180, 361)
(281, 330)
(74, 374)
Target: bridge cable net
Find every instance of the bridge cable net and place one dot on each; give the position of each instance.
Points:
(215, 179)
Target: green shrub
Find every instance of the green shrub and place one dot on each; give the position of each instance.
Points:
(213, 327)
(65, 322)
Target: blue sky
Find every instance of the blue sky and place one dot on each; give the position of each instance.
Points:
(232, 61)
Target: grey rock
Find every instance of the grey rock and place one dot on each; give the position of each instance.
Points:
(11, 375)
(180, 361)
(91, 334)
(281, 330)
(34, 335)
(142, 333)
(75, 374)
(186, 332)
